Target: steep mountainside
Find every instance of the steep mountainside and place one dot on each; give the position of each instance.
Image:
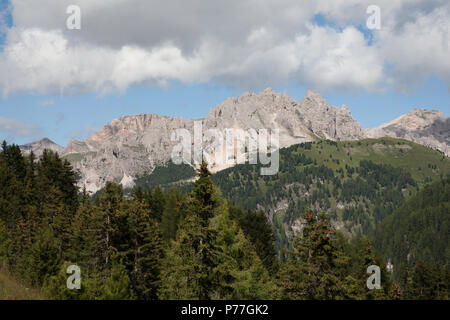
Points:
(358, 183)
(133, 146)
(419, 229)
(427, 127)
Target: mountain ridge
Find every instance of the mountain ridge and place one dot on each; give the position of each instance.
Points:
(132, 145)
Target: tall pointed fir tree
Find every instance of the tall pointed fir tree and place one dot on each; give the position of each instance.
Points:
(315, 269)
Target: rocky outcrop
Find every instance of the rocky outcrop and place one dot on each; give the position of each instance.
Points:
(133, 145)
(427, 127)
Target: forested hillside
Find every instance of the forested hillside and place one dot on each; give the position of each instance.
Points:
(357, 183)
(417, 234)
(419, 229)
(166, 244)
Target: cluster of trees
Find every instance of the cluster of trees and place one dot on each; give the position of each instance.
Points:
(165, 175)
(424, 281)
(156, 244)
(416, 237)
(367, 192)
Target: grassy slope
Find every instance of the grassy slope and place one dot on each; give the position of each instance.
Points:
(424, 164)
(410, 156)
(11, 289)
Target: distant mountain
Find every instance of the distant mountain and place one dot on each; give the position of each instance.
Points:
(427, 127)
(133, 146)
(39, 146)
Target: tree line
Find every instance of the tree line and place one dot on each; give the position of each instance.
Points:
(157, 244)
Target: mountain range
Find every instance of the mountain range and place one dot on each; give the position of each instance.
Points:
(133, 146)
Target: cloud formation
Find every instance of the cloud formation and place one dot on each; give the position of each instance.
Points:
(239, 43)
(19, 128)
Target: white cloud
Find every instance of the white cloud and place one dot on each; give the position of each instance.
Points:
(419, 48)
(238, 43)
(340, 60)
(19, 128)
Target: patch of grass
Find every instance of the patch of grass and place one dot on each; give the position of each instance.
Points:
(12, 289)
(421, 162)
(77, 157)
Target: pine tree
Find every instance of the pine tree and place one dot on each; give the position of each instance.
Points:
(10, 200)
(109, 203)
(421, 287)
(55, 287)
(118, 285)
(144, 250)
(367, 256)
(156, 201)
(211, 258)
(241, 273)
(14, 159)
(316, 266)
(191, 263)
(5, 244)
(171, 214)
(204, 194)
(54, 173)
(43, 258)
(257, 229)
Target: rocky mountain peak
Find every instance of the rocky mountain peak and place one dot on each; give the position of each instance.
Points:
(427, 127)
(39, 146)
(133, 145)
(315, 97)
(416, 119)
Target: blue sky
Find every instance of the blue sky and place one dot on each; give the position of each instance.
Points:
(45, 112)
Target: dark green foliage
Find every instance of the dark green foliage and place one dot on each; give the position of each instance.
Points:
(211, 259)
(165, 175)
(357, 192)
(425, 281)
(171, 214)
(143, 249)
(156, 202)
(43, 258)
(160, 243)
(196, 246)
(257, 229)
(316, 266)
(419, 229)
(14, 160)
(118, 285)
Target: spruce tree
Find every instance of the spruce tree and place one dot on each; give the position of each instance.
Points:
(171, 214)
(316, 266)
(193, 258)
(118, 285)
(156, 201)
(144, 250)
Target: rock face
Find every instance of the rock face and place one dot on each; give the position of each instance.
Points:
(127, 147)
(39, 146)
(427, 127)
(133, 145)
